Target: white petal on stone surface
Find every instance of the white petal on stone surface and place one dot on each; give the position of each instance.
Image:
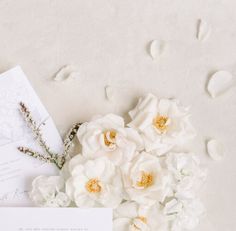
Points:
(67, 72)
(157, 48)
(109, 93)
(203, 30)
(219, 82)
(215, 149)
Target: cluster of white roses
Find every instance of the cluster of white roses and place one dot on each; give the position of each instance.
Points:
(133, 169)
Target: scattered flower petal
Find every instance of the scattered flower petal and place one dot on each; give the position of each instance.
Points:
(215, 150)
(156, 48)
(68, 72)
(204, 30)
(109, 93)
(219, 83)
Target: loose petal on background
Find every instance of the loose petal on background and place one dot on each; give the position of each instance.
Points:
(156, 48)
(215, 149)
(67, 72)
(203, 30)
(219, 82)
(109, 93)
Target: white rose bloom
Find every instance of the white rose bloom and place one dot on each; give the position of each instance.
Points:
(130, 216)
(107, 136)
(184, 214)
(163, 123)
(94, 183)
(145, 181)
(48, 192)
(187, 174)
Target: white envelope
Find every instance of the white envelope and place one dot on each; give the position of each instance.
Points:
(53, 219)
(17, 169)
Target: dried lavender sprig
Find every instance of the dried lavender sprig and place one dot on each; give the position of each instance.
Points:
(34, 154)
(50, 156)
(57, 160)
(69, 138)
(34, 127)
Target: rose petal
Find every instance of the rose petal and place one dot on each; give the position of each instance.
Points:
(172, 207)
(127, 209)
(219, 83)
(67, 72)
(62, 200)
(109, 93)
(157, 48)
(215, 150)
(204, 30)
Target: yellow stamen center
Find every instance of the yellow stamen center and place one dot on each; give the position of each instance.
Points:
(109, 138)
(143, 219)
(93, 186)
(146, 180)
(160, 122)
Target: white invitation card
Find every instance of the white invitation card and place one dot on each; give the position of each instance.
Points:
(17, 169)
(51, 219)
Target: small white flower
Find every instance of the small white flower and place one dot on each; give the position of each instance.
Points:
(107, 136)
(48, 192)
(130, 216)
(94, 183)
(184, 214)
(144, 180)
(187, 174)
(163, 123)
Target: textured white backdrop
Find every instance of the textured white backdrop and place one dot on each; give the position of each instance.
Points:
(107, 40)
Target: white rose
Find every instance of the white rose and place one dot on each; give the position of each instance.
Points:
(184, 214)
(163, 123)
(130, 216)
(94, 183)
(107, 136)
(48, 192)
(187, 174)
(144, 180)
